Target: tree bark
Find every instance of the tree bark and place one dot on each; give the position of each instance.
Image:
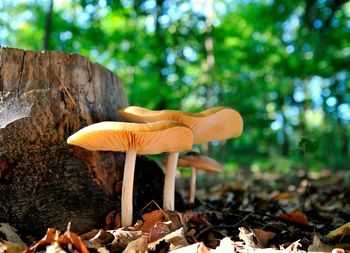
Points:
(44, 181)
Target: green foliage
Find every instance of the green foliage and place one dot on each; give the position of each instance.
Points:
(282, 64)
(307, 146)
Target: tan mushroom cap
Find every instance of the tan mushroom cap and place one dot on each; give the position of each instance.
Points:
(217, 123)
(149, 138)
(201, 162)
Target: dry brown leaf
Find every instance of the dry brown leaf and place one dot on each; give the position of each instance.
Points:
(198, 247)
(248, 237)
(202, 248)
(318, 246)
(139, 245)
(71, 238)
(55, 240)
(295, 216)
(176, 240)
(11, 238)
(55, 248)
(193, 248)
(100, 234)
(159, 230)
(150, 219)
(178, 219)
(113, 220)
(293, 247)
(263, 237)
(123, 237)
(226, 246)
(50, 237)
(10, 247)
(96, 239)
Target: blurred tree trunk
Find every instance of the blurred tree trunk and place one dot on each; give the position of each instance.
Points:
(48, 24)
(344, 139)
(285, 144)
(208, 65)
(161, 58)
(44, 181)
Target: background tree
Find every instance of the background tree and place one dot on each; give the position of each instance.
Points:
(283, 65)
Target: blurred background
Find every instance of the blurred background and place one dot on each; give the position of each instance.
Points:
(284, 65)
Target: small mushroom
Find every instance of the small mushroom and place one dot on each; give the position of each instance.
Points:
(197, 162)
(218, 123)
(133, 138)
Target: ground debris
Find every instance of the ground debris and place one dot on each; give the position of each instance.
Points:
(308, 217)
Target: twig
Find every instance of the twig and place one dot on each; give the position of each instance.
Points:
(224, 226)
(152, 201)
(66, 90)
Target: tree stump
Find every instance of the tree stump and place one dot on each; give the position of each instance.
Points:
(44, 182)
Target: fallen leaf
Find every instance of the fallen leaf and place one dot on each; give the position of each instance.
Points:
(11, 237)
(150, 219)
(99, 241)
(202, 248)
(123, 237)
(295, 216)
(263, 237)
(50, 237)
(193, 248)
(318, 246)
(226, 245)
(71, 238)
(176, 240)
(9, 247)
(341, 231)
(139, 245)
(113, 220)
(293, 247)
(55, 248)
(248, 237)
(97, 237)
(159, 230)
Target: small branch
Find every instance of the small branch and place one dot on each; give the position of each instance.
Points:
(66, 90)
(224, 226)
(160, 209)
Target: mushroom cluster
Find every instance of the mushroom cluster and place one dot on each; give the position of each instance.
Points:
(132, 138)
(218, 123)
(154, 132)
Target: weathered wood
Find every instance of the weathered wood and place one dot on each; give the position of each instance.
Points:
(44, 181)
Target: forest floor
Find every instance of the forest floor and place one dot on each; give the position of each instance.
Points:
(256, 213)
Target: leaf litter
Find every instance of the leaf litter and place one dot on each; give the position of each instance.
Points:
(306, 217)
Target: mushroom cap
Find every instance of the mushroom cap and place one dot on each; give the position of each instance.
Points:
(218, 123)
(201, 162)
(149, 138)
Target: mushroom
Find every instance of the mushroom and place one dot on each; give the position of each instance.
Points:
(197, 162)
(216, 123)
(133, 138)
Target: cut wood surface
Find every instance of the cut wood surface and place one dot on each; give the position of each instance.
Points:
(44, 182)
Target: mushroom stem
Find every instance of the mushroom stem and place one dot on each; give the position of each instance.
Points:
(127, 190)
(169, 182)
(192, 193)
